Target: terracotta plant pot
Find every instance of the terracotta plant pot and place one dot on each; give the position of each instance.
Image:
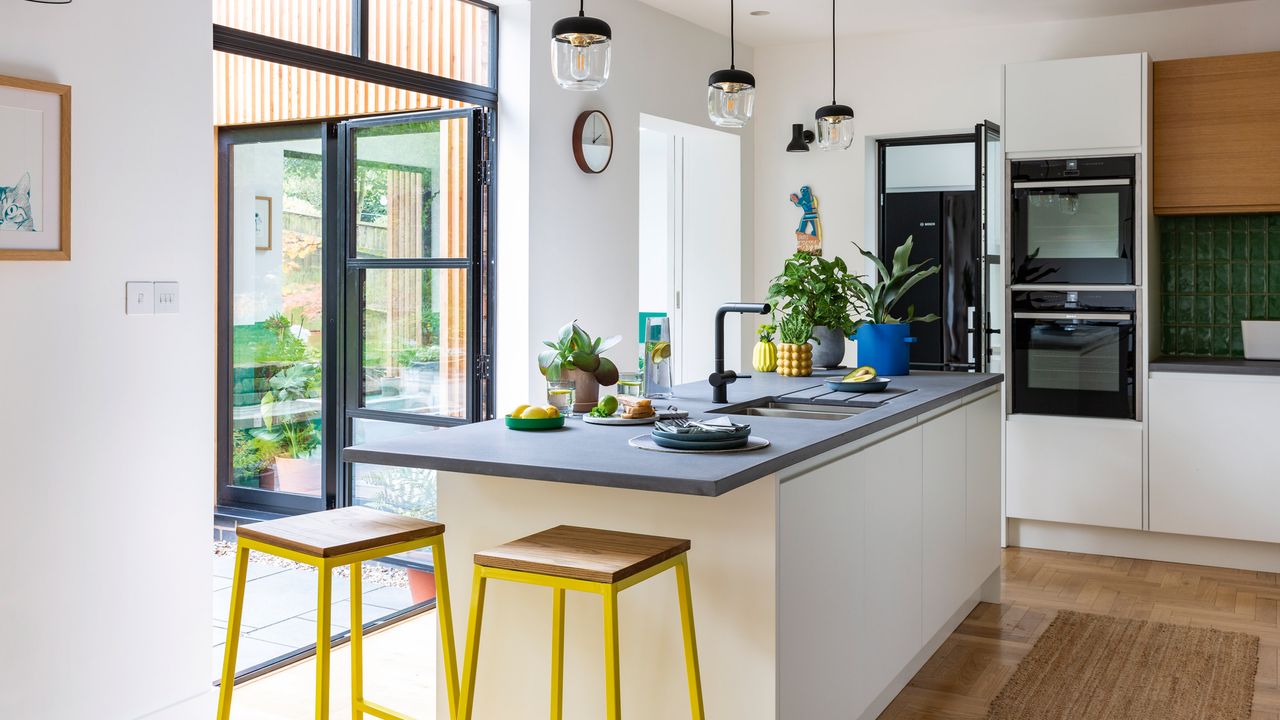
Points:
(586, 390)
(267, 478)
(298, 476)
(422, 585)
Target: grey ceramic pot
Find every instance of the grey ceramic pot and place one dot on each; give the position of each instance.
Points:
(828, 351)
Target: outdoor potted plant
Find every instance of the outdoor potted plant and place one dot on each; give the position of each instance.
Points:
(575, 356)
(821, 291)
(294, 431)
(883, 338)
(795, 354)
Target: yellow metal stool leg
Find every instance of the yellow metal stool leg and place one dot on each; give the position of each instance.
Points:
(690, 640)
(557, 654)
(238, 578)
(612, 667)
(469, 663)
(444, 609)
(324, 607)
(357, 643)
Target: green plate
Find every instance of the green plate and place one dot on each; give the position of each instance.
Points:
(535, 423)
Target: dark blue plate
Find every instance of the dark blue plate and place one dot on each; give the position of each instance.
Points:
(869, 386)
(704, 437)
(731, 444)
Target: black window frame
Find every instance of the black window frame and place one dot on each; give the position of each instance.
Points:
(337, 419)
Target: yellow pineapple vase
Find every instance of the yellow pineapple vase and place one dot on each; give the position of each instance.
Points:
(795, 360)
(765, 357)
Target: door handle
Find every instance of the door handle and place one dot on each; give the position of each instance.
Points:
(1072, 316)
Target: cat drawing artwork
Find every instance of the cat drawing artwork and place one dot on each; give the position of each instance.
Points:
(15, 206)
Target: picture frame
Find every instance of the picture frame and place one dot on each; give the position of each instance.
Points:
(35, 170)
(263, 230)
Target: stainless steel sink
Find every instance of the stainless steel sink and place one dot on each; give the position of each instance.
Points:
(799, 411)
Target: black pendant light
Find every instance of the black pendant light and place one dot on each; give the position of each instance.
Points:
(835, 121)
(731, 94)
(580, 51)
(51, 2)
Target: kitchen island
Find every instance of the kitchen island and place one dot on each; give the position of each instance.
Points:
(826, 567)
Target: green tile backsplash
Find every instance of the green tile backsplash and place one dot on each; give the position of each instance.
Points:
(1216, 271)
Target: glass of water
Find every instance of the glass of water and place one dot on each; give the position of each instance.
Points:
(560, 396)
(631, 384)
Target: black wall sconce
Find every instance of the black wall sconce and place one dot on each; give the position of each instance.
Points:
(800, 139)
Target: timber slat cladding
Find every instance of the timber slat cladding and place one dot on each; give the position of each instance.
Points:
(974, 663)
(578, 553)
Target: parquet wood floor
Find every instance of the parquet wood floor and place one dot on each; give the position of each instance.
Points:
(975, 661)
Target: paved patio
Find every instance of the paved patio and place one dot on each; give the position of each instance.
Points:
(280, 607)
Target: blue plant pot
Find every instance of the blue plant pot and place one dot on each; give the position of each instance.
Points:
(887, 348)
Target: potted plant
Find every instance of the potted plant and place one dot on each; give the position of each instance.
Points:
(575, 356)
(795, 354)
(296, 434)
(764, 358)
(882, 336)
(821, 291)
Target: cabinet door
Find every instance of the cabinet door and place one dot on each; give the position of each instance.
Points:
(892, 555)
(982, 477)
(1215, 459)
(945, 577)
(1086, 471)
(1078, 104)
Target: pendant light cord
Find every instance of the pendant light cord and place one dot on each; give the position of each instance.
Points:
(732, 66)
(833, 52)
(582, 8)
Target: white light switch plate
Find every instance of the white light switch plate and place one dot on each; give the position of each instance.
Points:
(139, 298)
(166, 298)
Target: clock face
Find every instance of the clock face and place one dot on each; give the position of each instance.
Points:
(594, 141)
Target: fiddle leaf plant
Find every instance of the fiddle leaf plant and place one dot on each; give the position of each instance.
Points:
(820, 290)
(574, 349)
(879, 298)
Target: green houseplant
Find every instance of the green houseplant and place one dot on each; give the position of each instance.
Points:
(795, 354)
(293, 432)
(574, 355)
(883, 335)
(821, 291)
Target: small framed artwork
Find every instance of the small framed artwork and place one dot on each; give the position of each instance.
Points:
(35, 170)
(262, 230)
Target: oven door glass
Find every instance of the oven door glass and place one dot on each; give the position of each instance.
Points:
(1073, 234)
(1067, 366)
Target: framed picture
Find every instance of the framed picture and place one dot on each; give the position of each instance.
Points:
(35, 170)
(262, 230)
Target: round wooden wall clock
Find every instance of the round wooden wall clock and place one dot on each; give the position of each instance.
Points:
(592, 142)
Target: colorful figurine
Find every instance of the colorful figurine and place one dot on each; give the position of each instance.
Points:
(809, 232)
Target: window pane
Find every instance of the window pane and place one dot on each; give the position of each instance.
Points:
(411, 190)
(399, 490)
(324, 24)
(414, 339)
(249, 91)
(449, 38)
(276, 323)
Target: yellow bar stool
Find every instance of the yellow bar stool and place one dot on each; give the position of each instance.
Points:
(602, 562)
(326, 540)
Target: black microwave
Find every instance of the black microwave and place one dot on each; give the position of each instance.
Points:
(1073, 221)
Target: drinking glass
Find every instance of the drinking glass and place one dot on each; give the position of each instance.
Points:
(657, 357)
(630, 384)
(560, 396)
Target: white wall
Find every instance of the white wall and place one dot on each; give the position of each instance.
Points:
(580, 241)
(937, 82)
(107, 432)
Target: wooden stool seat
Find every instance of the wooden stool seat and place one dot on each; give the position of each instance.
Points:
(578, 553)
(339, 532)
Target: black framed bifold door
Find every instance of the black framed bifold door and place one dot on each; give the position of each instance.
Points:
(989, 183)
(353, 297)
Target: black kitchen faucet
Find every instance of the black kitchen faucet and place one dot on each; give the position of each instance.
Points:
(721, 378)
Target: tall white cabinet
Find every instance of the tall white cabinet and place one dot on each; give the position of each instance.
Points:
(1079, 105)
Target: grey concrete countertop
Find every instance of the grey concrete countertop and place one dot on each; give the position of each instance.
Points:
(599, 455)
(1220, 365)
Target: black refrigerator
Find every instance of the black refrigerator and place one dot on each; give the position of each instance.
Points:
(944, 225)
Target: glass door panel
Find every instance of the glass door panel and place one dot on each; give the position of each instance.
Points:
(989, 181)
(273, 226)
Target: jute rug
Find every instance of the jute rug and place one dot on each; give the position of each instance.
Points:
(1093, 667)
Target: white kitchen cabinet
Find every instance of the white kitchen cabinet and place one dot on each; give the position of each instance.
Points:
(1092, 103)
(982, 495)
(946, 568)
(1086, 471)
(1215, 455)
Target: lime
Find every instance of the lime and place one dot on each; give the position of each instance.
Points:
(609, 404)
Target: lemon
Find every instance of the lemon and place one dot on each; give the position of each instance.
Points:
(534, 413)
(552, 411)
(661, 351)
(519, 411)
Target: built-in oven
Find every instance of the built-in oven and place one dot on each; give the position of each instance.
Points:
(1073, 221)
(1075, 353)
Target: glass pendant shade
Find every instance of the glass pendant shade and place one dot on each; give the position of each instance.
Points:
(580, 52)
(835, 127)
(731, 96)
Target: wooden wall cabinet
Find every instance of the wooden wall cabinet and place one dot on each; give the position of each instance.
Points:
(1216, 144)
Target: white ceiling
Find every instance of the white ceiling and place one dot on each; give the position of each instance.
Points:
(791, 21)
